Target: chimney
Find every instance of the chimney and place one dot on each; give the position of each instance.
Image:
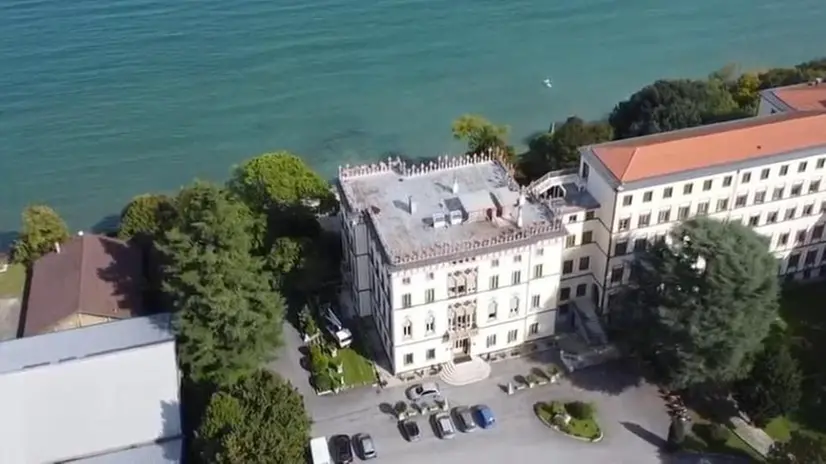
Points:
(411, 205)
(57, 247)
(455, 188)
(519, 220)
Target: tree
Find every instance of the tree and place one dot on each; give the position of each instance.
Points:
(745, 91)
(668, 105)
(146, 216)
(280, 179)
(773, 387)
(799, 449)
(229, 318)
(700, 303)
(559, 149)
(480, 134)
(260, 419)
(42, 229)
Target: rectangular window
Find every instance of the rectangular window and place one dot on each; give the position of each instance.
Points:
(646, 197)
(683, 212)
(407, 300)
(587, 237)
(771, 218)
(702, 208)
(802, 166)
(408, 359)
(430, 354)
(624, 224)
(783, 239)
(664, 216)
(754, 220)
(537, 271)
(759, 197)
(811, 255)
(564, 294)
(494, 282)
(820, 163)
(536, 301)
(572, 218)
(801, 236)
(589, 215)
(777, 194)
(707, 185)
(570, 241)
(533, 329)
(790, 213)
(667, 192)
(640, 244)
(540, 252)
(817, 232)
(794, 260)
(746, 177)
(687, 188)
(491, 340)
(796, 188)
(643, 220)
(814, 186)
(727, 181)
(616, 274)
(512, 335)
(567, 267)
(406, 281)
(584, 263)
(516, 277)
(621, 248)
(784, 169)
(494, 263)
(764, 174)
(626, 200)
(808, 209)
(722, 204)
(517, 259)
(581, 290)
(429, 295)
(740, 201)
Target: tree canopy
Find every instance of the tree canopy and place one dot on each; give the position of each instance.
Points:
(280, 179)
(668, 105)
(773, 387)
(481, 134)
(146, 216)
(260, 419)
(42, 228)
(700, 303)
(229, 318)
(799, 449)
(559, 148)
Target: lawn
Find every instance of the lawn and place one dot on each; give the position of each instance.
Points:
(585, 428)
(357, 370)
(702, 439)
(12, 281)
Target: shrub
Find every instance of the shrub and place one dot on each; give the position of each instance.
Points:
(719, 433)
(579, 410)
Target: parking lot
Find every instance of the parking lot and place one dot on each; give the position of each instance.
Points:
(633, 420)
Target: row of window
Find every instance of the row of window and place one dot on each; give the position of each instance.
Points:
(708, 184)
(493, 263)
(461, 287)
(490, 342)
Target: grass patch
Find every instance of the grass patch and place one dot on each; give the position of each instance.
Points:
(709, 437)
(584, 426)
(357, 370)
(13, 281)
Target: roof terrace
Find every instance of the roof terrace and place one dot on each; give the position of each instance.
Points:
(445, 209)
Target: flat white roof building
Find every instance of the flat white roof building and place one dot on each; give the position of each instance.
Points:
(101, 394)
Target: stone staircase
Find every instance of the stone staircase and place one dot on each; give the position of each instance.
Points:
(466, 372)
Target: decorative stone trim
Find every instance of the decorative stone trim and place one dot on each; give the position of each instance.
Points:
(560, 431)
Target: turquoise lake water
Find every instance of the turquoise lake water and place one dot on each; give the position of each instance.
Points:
(102, 100)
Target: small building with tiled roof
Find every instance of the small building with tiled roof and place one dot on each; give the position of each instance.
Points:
(809, 96)
(87, 280)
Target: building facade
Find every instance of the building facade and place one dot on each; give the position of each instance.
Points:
(452, 258)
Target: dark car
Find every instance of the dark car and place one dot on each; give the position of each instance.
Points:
(366, 446)
(342, 449)
(464, 419)
(411, 430)
(444, 425)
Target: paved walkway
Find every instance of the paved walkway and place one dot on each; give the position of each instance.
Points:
(755, 437)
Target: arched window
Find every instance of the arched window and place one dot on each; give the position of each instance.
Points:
(407, 328)
(493, 307)
(514, 305)
(430, 323)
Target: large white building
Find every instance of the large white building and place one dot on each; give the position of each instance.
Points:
(451, 258)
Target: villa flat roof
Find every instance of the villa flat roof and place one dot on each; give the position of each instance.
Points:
(482, 187)
(720, 144)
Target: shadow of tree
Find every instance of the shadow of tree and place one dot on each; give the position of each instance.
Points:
(611, 378)
(107, 225)
(645, 434)
(171, 439)
(119, 266)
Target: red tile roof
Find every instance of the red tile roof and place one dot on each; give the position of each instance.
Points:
(802, 97)
(92, 274)
(713, 145)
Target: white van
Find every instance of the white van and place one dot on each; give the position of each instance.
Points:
(320, 451)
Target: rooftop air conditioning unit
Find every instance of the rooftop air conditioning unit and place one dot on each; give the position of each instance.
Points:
(439, 221)
(455, 217)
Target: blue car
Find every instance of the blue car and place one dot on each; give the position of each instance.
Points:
(484, 416)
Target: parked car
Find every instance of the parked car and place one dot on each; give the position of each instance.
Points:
(320, 451)
(411, 430)
(425, 390)
(444, 425)
(484, 416)
(365, 445)
(342, 449)
(464, 419)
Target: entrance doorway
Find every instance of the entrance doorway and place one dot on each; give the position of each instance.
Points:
(461, 347)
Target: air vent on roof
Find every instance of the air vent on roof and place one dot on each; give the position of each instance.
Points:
(439, 221)
(455, 217)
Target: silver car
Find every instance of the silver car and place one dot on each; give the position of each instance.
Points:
(444, 426)
(423, 391)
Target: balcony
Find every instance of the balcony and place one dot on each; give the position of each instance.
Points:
(457, 334)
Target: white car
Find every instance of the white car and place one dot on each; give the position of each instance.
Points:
(424, 391)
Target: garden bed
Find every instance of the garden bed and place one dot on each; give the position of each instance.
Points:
(575, 419)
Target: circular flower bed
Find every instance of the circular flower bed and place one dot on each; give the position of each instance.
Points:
(573, 418)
